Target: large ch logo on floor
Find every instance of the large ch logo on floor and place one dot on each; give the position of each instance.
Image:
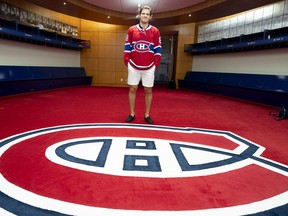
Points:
(92, 156)
(156, 157)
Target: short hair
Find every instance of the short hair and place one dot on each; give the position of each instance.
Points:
(145, 7)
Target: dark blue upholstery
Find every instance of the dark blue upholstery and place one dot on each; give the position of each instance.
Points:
(20, 79)
(14, 73)
(267, 89)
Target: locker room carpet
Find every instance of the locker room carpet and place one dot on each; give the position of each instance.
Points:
(204, 155)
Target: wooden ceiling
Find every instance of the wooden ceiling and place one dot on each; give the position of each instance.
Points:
(197, 11)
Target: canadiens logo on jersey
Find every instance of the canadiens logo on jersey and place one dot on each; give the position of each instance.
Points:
(142, 46)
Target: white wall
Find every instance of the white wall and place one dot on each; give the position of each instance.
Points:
(26, 54)
(270, 61)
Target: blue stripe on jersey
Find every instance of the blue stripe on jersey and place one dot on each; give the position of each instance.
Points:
(127, 47)
(158, 50)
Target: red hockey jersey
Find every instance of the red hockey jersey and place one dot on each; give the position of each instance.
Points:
(143, 47)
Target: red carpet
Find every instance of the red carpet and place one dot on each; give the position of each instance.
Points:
(54, 124)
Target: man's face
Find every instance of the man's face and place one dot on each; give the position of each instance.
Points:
(145, 16)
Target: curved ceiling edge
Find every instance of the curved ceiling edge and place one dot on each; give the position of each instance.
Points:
(207, 10)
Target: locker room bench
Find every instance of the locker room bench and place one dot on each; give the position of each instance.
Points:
(21, 79)
(265, 89)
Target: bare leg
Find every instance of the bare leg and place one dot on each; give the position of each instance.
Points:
(132, 98)
(148, 100)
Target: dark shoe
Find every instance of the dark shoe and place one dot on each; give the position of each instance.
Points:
(130, 118)
(148, 120)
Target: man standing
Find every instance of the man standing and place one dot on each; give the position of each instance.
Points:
(142, 55)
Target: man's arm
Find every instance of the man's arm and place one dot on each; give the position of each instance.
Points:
(127, 49)
(157, 49)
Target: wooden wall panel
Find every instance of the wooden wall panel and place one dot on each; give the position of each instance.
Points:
(105, 78)
(107, 52)
(107, 46)
(89, 26)
(104, 27)
(107, 38)
(107, 65)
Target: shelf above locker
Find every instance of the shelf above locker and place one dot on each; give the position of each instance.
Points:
(267, 39)
(22, 32)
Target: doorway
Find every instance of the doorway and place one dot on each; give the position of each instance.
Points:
(166, 70)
